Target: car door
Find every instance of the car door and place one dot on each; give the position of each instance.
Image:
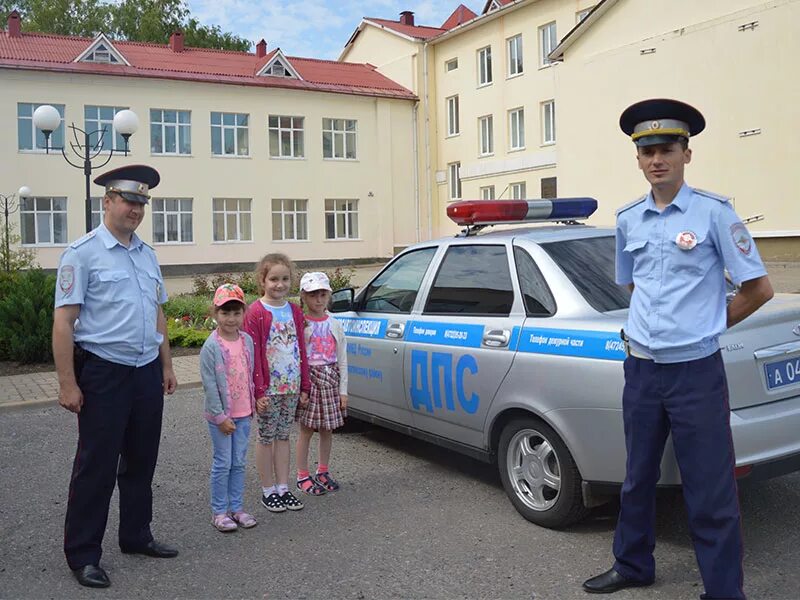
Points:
(459, 344)
(375, 332)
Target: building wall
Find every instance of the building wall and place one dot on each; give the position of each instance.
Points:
(393, 55)
(381, 179)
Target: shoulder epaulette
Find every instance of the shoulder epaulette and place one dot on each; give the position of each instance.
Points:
(82, 240)
(712, 195)
(630, 205)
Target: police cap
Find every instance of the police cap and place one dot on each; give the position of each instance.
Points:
(660, 121)
(133, 182)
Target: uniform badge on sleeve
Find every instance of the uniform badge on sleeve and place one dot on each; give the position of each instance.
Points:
(66, 278)
(686, 240)
(741, 237)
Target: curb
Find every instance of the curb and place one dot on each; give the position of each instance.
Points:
(181, 386)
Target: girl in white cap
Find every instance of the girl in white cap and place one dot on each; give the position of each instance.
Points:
(326, 406)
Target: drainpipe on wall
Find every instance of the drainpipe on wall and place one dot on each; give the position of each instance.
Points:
(426, 105)
(415, 144)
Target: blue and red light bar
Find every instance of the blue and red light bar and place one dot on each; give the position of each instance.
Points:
(495, 212)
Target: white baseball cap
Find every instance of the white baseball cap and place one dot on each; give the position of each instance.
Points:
(316, 280)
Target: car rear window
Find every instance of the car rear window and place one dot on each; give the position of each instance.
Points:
(589, 264)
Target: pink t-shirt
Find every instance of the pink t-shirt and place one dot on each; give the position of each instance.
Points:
(321, 346)
(238, 375)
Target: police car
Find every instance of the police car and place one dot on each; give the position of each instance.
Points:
(505, 345)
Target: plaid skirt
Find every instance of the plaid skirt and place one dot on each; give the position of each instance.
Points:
(323, 410)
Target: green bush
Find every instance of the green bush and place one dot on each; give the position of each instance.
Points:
(340, 278)
(196, 306)
(186, 336)
(26, 316)
(201, 286)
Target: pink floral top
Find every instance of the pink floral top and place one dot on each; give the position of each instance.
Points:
(238, 376)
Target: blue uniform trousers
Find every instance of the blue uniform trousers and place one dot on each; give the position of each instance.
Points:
(690, 400)
(119, 429)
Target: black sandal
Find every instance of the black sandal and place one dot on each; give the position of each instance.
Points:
(314, 489)
(326, 481)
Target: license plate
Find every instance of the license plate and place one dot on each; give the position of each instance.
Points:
(782, 373)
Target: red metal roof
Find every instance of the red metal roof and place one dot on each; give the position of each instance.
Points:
(421, 32)
(501, 3)
(47, 52)
(460, 15)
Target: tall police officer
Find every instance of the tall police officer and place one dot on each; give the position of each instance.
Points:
(672, 248)
(113, 361)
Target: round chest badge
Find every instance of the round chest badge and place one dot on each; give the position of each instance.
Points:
(686, 240)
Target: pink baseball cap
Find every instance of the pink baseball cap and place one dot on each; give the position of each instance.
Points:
(228, 292)
(316, 280)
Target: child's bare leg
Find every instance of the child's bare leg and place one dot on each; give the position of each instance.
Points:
(325, 443)
(264, 459)
(303, 443)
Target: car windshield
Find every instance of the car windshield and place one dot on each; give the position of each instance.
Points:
(589, 264)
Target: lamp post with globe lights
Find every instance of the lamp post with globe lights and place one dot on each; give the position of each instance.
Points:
(10, 206)
(46, 118)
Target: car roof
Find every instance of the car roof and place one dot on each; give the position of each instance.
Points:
(535, 233)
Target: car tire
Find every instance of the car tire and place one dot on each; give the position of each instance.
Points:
(539, 475)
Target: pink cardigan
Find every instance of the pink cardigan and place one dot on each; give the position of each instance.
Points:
(257, 322)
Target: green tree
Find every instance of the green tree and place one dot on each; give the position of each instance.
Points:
(85, 18)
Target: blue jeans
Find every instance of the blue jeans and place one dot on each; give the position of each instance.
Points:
(227, 468)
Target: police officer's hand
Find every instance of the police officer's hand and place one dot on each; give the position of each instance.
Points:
(170, 381)
(303, 399)
(227, 426)
(343, 401)
(70, 397)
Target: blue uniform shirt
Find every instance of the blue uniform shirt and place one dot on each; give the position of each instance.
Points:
(676, 260)
(119, 290)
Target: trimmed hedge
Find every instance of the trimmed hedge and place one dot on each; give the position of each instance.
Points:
(26, 316)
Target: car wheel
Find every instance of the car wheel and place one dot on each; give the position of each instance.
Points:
(539, 474)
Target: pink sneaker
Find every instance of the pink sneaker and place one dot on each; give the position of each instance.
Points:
(245, 520)
(224, 523)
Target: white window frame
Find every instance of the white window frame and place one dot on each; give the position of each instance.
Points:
(338, 129)
(244, 208)
(518, 190)
(516, 129)
(30, 206)
(293, 209)
(486, 135)
(234, 127)
(454, 180)
(26, 122)
(117, 141)
(451, 65)
(453, 118)
(182, 130)
(548, 122)
(346, 208)
(548, 40)
(160, 212)
(487, 192)
(485, 66)
(514, 54)
(102, 54)
(295, 131)
(97, 211)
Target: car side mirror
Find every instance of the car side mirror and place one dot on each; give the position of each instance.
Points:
(342, 300)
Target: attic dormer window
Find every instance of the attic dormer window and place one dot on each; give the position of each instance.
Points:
(101, 54)
(277, 69)
(102, 51)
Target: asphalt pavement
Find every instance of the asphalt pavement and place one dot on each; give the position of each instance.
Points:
(411, 521)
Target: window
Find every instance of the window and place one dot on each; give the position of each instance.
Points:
(395, 289)
(341, 219)
(485, 66)
(286, 137)
(170, 131)
(487, 193)
(451, 65)
(582, 14)
(232, 220)
(278, 69)
(30, 138)
(518, 191)
(539, 301)
(99, 124)
(486, 126)
(101, 54)
(472, 280)
(229, 134)
(172, 221)
(514, 55)
(516, 128)
(452, 116)
(454, 178)
(549, 122)
(549, 187)
(547, 42)
(289, 219)
(339, 138)
(43, 221)
(97, 211)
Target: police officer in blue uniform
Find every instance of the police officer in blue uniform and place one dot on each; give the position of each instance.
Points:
(673, 246)
(113, 361)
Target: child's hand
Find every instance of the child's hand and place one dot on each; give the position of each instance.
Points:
(261, 404)
(303, 399)
(343, 401)
(227, 427)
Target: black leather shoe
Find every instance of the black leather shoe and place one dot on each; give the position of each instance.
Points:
(92, 576)
(610, 582)
(154, 549)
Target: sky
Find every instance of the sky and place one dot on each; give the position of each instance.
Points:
(314, 28)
